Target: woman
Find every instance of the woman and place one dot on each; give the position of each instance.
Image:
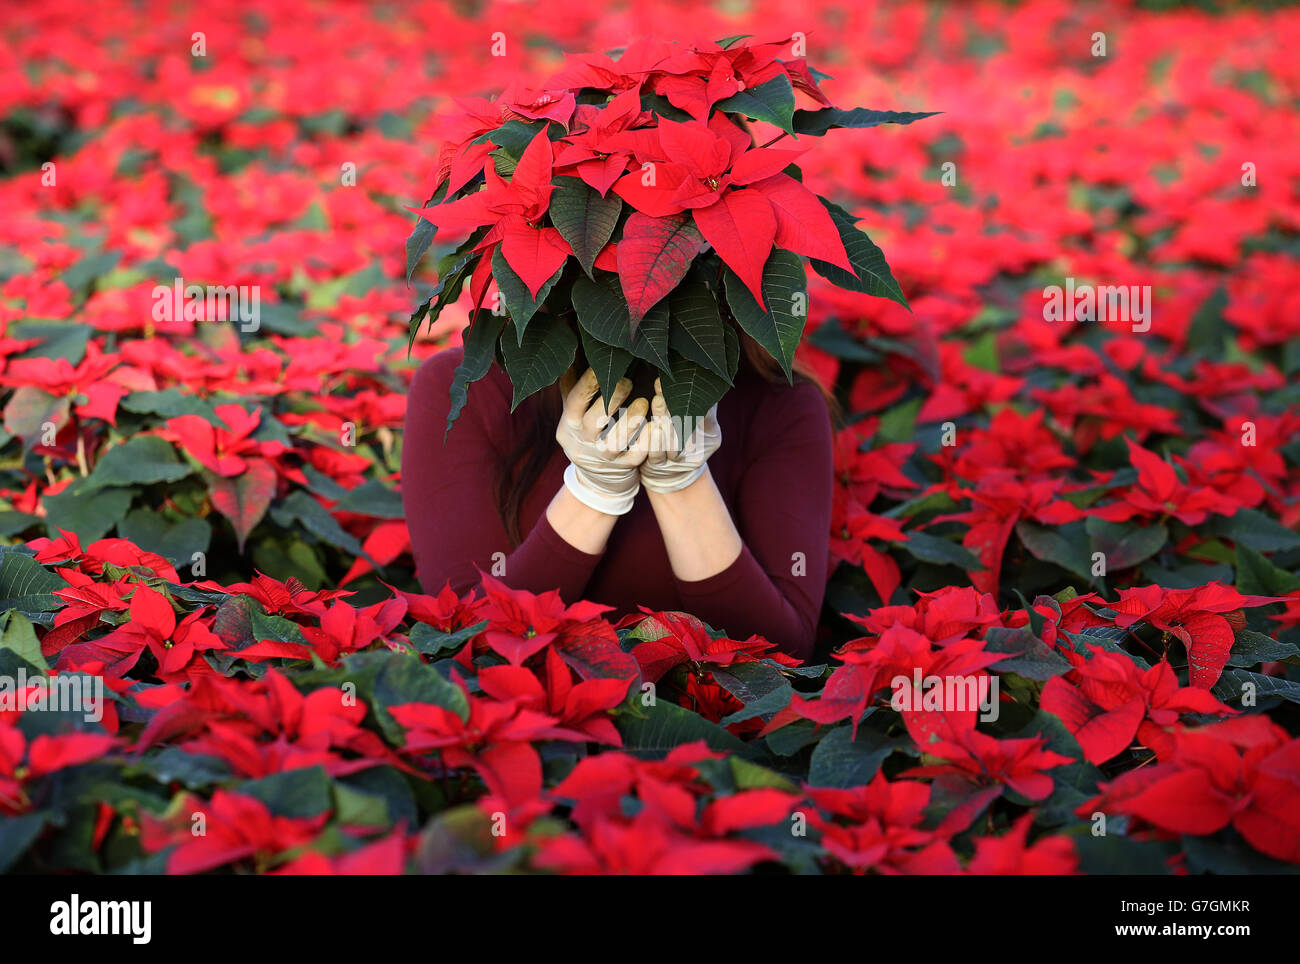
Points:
(733, 528)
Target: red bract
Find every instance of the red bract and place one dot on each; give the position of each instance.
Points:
(22, 763)
(666, 836)
(676, 639)
(872, 664)
(581, 707)
(1242, 772)
(1158, 493)
(1107, 700)
(523, 623)
(1000, 500)
(224, 450)
(236, 828)
(1195, 617)
(495, 740)
(984, 760)
(1010, 854)
(878, 828)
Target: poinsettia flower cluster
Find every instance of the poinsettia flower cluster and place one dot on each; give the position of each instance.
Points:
(636, 183)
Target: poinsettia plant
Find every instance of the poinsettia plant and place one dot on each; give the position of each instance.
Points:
(624, 209)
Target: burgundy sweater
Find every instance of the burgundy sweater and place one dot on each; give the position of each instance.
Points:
(774, 470)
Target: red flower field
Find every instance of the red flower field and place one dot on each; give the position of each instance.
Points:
(1062, 627)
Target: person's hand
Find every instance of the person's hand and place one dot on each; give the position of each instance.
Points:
(666, 469)
(604, 453)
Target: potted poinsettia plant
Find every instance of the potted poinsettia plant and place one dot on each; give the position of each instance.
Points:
(623, 209)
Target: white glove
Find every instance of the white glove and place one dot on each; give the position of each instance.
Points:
(604, 452)
(666, 469)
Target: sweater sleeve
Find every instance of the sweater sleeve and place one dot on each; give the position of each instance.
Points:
(449, 495)
(783, 509)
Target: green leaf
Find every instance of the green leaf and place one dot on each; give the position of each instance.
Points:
(169, 403)
(584, 218)
(537, 360)
(899, 423)
(1251, 648)
(418, 243)
(817, 122)
(749, 682)
(422, 235)
(89, 268)
(941, 552)
(1066, 545)
(1124, 545)
(480, 352)
(58, 339)
(26, 585)
(602, 311)
(171, 764)
(300, 793)
(316, 519)
(89, 512)
(771, 101)
(764, 706)
(1233, 684)
(453, 271)
(1252, 528)
(696, 329)
(785, 291)
(434, 642)
(19, 637)
(1108, 638)
(791, 738)
(840, 761)
(356, 809)
(402, 679)
(1230, 856)
(1030, 656)
(665, 726)
(610, 363)
(29, 409)
(1208, 333)
(372, 498)
(1256, 576)
(690, 390)
(513, 135)
(16, 835)
(751, 776)
(519, 303)
(140, 461)
(871, 274)
(1113, 854)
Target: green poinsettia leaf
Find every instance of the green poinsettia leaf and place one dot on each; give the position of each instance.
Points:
(609, 362)
(771, 101)
(871, 274)
(603, 312)
(537, 360)
(785, 291)
(584, 219)
(480, 351)
(815, 123)
(696, 329)
(519, 303)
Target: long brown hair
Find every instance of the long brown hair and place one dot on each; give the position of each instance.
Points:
(520, 469)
